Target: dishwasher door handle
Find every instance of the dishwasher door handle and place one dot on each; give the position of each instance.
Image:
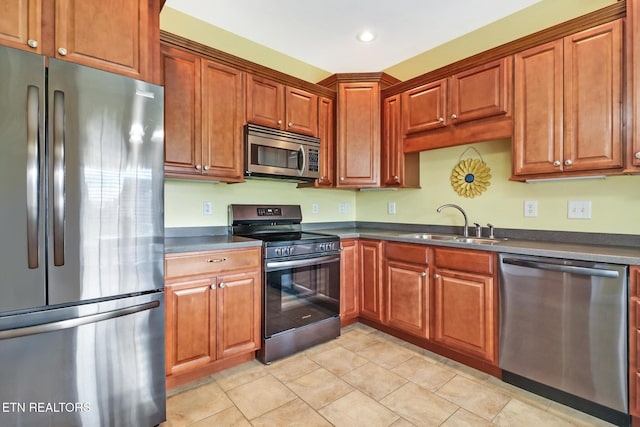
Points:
(585, 271)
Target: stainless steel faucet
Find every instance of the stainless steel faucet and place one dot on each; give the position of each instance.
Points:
(464, 214)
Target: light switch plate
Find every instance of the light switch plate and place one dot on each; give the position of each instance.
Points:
(391, 208)
(530, 208)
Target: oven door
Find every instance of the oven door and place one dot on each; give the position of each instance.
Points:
(300, 291)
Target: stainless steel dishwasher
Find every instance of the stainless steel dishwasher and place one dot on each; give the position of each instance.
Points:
(563, 332)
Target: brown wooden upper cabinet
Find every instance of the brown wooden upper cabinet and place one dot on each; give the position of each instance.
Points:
(326, 133)
(115, 36)
(398, 169)
(204, 117)
(478, 93)
(568, 96)
(275, 105)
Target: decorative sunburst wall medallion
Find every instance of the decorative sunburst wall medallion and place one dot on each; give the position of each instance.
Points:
(470, 177)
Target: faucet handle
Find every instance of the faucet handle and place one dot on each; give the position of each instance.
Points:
(478, 229)
(491, 236)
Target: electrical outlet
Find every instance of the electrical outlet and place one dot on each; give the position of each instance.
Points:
(391, 208)
(579, 209)
(343, 208)
(314, 208)
(207, 208)
(530, 208)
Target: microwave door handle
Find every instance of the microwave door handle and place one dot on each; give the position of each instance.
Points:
(303, 164)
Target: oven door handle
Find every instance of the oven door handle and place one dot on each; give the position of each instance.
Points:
(303, 262)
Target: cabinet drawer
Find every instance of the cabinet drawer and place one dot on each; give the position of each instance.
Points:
(417, 254)
(465, 260)
(211, 263)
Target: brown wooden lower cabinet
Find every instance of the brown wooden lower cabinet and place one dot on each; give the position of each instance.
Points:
(370, 275)
(407, 288)
(212, 311)
(465, 302)
(349, 289)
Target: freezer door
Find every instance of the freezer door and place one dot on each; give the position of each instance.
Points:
(106, 146)
(22, 247)
(91, 365)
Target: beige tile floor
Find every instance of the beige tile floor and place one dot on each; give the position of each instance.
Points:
(364, 378)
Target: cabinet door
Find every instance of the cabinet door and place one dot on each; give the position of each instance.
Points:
(326, 132)
(265, 102)
(392, 155)
(539, 93)
(112, 35)
(407, 304)
(20, 24)
(301, 111)
(182, 112)
(349, 290)
(425, 107)
(189, 325)
(358, 146)
(593, 98)
(370, 279)
(481, 92)
(465, 313)
(222, 122)
(238, 314)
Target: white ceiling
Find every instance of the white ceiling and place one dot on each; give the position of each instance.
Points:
(323, 33)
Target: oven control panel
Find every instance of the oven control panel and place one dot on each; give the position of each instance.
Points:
(269, 211)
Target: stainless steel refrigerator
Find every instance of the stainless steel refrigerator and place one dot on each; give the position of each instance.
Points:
(81, 246)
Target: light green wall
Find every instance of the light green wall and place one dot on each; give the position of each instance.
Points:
(199, 31)
(615, 200)
(543, 14)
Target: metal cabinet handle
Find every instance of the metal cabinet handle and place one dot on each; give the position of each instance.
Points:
(213, 286)
(206, 168)
(436, 276)
(556, 163)
(222, 285)
(454, 116)
(637, 156)
(198, 167)
(441, 119)
(32, 43)
(62, 51)
(342, 178)
(216, 259)
(568, 162)
(279, 122)
(290, 124)
(423, 274)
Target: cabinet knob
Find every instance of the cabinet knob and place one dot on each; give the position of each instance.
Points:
(568, 162)
(342, 178)
(436, 276)
(454, 116)
(637, 156)
(279, 122)
(32, 43)
(423, 274)
(213, 286)
(212, 260)
(556, 163)
(441, 119)
(198, 167)
(222, 285)
(62, 51)
(290, 124)
(206, 168)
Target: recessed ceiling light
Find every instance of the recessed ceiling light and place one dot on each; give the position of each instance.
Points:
(365, 36)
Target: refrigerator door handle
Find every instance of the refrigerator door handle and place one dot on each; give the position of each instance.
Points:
(33, 175)
(58, 178)
(75, 322)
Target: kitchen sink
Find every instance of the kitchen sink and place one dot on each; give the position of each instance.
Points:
(431, 236)
(478, 240)
(453, 238)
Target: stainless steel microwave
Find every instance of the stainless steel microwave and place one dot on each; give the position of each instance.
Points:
(272, 153)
